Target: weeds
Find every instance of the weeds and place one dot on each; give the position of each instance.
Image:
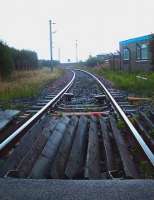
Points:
(27, 83)
(151, 133)
(129, 81)
(146, 169)
(121, 124)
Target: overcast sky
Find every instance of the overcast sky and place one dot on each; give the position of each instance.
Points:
(98, 25)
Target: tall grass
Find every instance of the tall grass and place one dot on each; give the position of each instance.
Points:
(129, 81)
(27, 83)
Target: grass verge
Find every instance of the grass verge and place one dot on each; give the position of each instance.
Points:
(27, 83)
(128, 81)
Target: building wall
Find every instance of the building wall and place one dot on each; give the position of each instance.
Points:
(133, 64)
(114, 62)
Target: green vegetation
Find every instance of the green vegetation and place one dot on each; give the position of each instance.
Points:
(94, 61)
(121, 124)
(13, 59)
(132, 119)
(151, 133)
(21, 75)
(27, 83)
(6, 61)
(146, 169)
(128, 81)
(48, 63)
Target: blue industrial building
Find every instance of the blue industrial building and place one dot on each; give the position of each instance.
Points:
(135, 54)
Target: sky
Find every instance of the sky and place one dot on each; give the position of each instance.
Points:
(97, 25)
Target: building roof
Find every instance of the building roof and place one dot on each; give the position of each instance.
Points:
(137, 39)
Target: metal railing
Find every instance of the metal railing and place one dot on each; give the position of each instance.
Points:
(37, 116)
(133, 130)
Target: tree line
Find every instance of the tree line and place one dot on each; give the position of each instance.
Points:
(14, 59)
(95, 61)
(48, 63)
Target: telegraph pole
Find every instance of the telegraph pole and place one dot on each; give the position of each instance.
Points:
(51, 46)
(50, 34)
(59, 54)
(76, 50)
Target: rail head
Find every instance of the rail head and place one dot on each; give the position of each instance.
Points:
(37, 116)
(131, 127)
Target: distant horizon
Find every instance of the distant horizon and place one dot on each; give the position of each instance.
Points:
(100, 53)
(98, 25)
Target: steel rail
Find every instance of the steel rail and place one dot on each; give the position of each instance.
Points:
(133, 130)
(37, 116)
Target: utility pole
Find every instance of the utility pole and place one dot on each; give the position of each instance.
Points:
(76, 50)
(59, 54)
(51, 46)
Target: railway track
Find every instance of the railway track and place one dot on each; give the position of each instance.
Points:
(33, 106)
(85, 132)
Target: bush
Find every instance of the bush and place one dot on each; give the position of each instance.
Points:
(93, 61)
